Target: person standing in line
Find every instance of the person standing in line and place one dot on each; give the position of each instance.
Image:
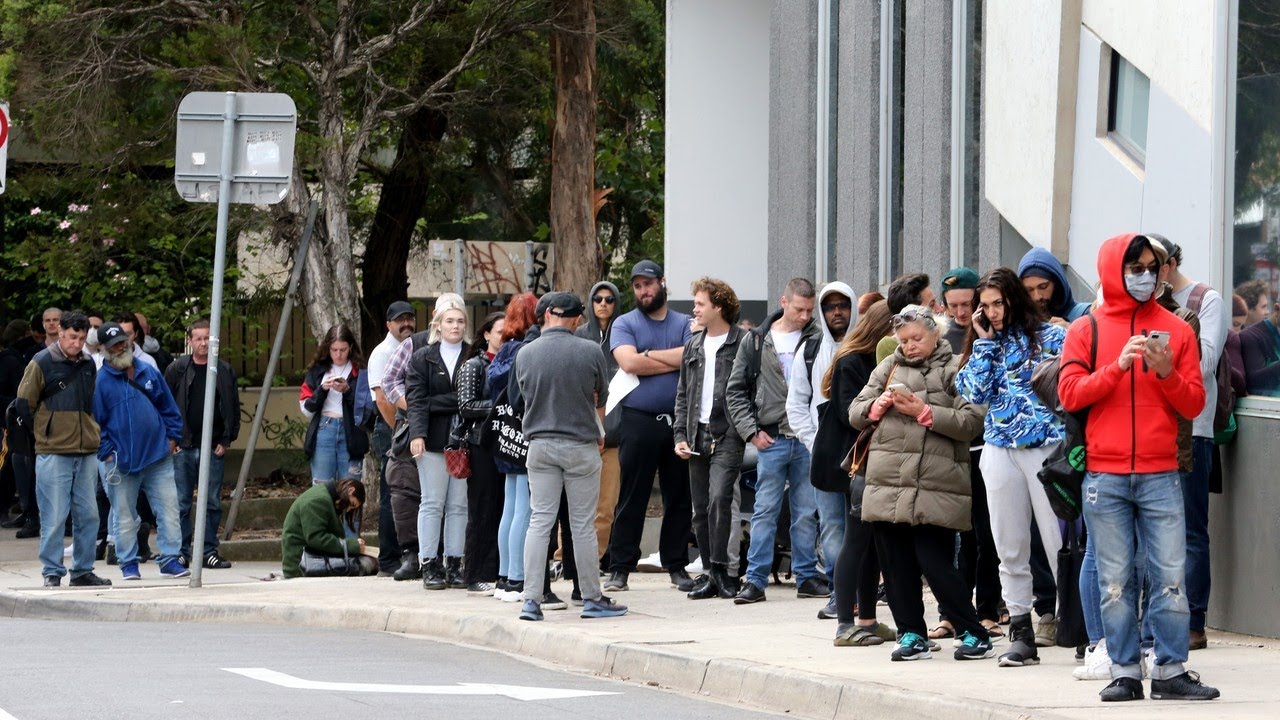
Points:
(563, 387)
(484, 487)
(704, 434)
(598, 328)
(335, 400)
(58, 387)
(20, 463)
(1045, 280)
(649, 342)
(401, 321)
(186, 378)
(51, 323)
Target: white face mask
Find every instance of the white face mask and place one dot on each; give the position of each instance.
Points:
(1141, 287)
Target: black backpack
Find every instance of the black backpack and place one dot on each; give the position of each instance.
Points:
(1062, 473)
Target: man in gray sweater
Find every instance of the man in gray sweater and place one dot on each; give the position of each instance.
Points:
(563, 382)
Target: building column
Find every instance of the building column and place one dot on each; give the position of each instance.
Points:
(858, 145)
(926, 171)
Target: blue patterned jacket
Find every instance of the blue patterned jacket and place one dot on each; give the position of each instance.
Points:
(998, 375)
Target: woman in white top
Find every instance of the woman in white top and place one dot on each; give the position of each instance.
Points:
(335, 397)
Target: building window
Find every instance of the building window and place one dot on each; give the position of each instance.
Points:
(1127, 103)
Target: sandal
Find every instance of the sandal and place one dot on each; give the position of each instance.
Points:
(858, 637)
(993, 629)
(943, 631)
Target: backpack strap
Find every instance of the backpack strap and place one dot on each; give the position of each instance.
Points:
(1093, 342)
(1197, 297)
(811, 355)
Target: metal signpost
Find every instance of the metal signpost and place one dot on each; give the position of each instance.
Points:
(4, 141)
(231, 147)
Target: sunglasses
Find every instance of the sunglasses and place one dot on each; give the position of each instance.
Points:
(832, 307)
(911, 316)
(606, 299)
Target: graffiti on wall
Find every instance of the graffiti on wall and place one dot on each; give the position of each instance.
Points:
(489, 268)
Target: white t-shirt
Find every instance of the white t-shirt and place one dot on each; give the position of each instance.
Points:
(450, 352)
(786, 344)
(710, 346)
(378, 360)
(333, 401)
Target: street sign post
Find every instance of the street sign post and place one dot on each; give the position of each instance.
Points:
(231, 147)
(4, 142)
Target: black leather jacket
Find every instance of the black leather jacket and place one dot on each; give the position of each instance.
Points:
(689, 391)
(474, 402)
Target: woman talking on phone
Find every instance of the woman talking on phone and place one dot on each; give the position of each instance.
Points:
(1007, 339)
(335, 397)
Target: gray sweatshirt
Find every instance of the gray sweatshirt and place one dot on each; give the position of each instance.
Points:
(562, 379)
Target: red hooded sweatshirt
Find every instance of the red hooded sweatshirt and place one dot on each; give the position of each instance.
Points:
(1133, 423)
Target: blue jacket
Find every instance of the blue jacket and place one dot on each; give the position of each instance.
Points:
(137, 422)
(998, 375)
(1042, 263)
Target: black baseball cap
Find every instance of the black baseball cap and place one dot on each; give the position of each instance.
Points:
(110, 334)
(398, 308)
(647, 268)
(564, 304)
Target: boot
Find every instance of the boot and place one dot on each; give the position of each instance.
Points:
(433, 575)
(704, 587)
(453, 574)
(409, 568)
(1022, 643)
(727, 586)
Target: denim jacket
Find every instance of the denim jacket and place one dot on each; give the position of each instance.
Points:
(998, 375)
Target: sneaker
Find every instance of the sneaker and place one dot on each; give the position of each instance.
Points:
(882, 597)
(813, 588)
(556, 570)
(112, 558)
(1097, 664)
(1046, 630)
(749, 594)
(173, 569)
(910, 647)
(973, 648)
(1122, 689)
(130, 571)
(52, 581)
(829, 612)
(1186, 686)
(531, 611)
(89, 580)
(514, 593)
(575, 598)
(617, 582)
(1148, 661)
(605, 607)
(27, 531)
(214, 561)
(551, 601)
(480, 589)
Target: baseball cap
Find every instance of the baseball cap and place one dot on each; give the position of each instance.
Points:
(110, 334)
(398, 308)
(647, 268)
(564, 304)
(961, 278)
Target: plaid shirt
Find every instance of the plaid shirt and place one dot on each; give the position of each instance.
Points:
(397, 368)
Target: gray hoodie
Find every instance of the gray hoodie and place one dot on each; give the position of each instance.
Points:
(591, 329)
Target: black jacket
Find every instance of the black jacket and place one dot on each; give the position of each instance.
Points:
(835, 435)
(474, 403)
(689, 391)
(313, 395)
(180, 374)
(433, 401)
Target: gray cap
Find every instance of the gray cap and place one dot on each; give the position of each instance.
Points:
(646, 268)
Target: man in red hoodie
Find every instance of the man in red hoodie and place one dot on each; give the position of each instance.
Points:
(1135, 393)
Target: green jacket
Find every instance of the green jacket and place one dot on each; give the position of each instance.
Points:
(313, 523)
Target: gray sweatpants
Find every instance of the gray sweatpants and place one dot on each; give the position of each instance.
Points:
(1014, 497)
(571, 467)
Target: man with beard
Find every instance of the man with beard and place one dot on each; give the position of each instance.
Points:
(1046, 281)
(401, 323)
(141, 427)
(649, 342)
(804, 402)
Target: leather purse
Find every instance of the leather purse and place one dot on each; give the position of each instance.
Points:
(855, 460)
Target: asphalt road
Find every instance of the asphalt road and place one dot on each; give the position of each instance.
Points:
(64, 669)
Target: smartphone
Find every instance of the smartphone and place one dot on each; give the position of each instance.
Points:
(1158, 339)
(695, 452)
(898, 388)
(981, 318)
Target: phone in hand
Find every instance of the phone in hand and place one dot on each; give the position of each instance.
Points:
(1158, 339)
(898, 389)
(981, 318)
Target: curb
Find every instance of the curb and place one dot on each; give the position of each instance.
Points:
(758, 685)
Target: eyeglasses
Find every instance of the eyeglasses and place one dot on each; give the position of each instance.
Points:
(910, 316)
(832, 307)
(606, 299)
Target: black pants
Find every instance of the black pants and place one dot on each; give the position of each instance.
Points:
(908, 551)
(1044, 586)
(484, 512)
(857, 571)
(388, 545)
(648, 447)
(560, 531)
(712, 479)
(24, 478)
(979, 563)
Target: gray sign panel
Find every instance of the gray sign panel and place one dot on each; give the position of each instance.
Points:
(263, 147)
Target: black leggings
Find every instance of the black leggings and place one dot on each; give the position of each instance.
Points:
(857, 572)
(909, 551)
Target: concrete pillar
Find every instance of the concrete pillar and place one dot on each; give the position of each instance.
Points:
(858, 145)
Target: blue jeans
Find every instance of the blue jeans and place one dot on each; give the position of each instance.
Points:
(1150, 505)
(513, 527)
(1195, 500)
(65, 484)
(158, 480)
(1091, 597)
(833, 508)
(331, 460)
(784, 466)
(186, 472)
(442, 507)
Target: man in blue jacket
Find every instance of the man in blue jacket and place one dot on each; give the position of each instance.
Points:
(1046, 280)
(136, 412)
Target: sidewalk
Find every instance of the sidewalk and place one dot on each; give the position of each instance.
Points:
(775, 655)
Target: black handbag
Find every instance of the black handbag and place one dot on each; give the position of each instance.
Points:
(1071, 629)
(857, 488)
(316, 565)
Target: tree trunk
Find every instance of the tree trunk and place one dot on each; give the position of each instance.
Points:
(578, 256)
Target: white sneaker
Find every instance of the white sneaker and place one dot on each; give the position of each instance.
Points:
(1097, 664)
(1148, 662)
(511, 596)
(695, 568)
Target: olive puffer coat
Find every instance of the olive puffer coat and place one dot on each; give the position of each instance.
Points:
(919, 475)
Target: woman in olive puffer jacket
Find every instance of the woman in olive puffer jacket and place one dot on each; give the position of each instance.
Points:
(917, 491)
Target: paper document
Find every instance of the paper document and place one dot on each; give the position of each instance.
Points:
(620, 386)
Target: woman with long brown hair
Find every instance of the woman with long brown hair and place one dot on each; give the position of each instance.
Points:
(335, 398)
(316, 523)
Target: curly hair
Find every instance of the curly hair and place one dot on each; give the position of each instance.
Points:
(519, 317)
(1251, 291)
(720, 295)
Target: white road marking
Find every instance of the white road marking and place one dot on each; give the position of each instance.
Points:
(515, 692)
(6, 716)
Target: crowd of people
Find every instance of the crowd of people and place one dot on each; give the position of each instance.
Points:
(899, 436)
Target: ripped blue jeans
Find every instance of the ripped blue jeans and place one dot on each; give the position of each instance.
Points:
(1148, 508)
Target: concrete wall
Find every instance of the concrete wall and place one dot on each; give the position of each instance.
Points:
(858, 145)
(718, 140)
